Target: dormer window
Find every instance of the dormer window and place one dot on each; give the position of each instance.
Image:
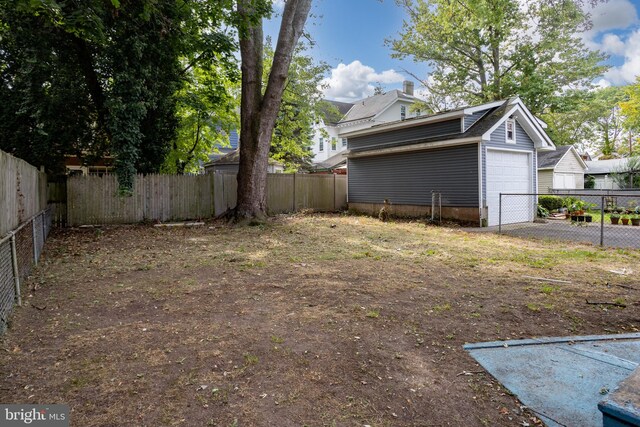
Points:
(403, 112)
(510, 131)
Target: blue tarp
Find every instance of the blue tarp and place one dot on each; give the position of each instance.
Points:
(561, 379)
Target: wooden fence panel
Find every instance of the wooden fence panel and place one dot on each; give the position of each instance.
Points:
(280, 189)
(340, 192)
(315, 192)
(22, 192)
(57, 201)
(95, 200)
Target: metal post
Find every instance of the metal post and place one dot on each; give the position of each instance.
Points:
(602, 221)
(16, 273)
(500, 214)
(44, 227)
(35, 240)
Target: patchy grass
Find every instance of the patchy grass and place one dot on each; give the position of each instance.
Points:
(299, 320)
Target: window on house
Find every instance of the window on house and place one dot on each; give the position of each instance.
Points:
(403, 112)
(344, 142)
(334, 143)
(418, 113)
(511, 131)
(321, 144)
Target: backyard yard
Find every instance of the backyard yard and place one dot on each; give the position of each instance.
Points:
(304, 320)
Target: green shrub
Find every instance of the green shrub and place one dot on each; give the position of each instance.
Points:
(550, 203)
(542, 211)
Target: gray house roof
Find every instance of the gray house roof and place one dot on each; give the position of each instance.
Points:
(496, 113)
(549, 159)
(233, 158)
(370, 107)
(332, 162)
(601, 167)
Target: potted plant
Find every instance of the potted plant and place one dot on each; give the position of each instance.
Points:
(615, 218)
(625, 219)
(576, 208)
(635, 219)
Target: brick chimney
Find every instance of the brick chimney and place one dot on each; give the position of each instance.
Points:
(407, 87)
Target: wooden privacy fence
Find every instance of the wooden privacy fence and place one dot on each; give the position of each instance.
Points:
(23, 192)
(95, 200)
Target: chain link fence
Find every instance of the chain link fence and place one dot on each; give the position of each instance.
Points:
(602, 219)
(20, 251)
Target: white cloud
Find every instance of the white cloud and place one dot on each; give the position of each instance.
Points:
(611, 15)
(630, 69)
(356, 81)
(611, 43)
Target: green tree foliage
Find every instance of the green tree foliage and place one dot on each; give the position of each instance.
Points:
(208, 111)
(301, 106)
(486, 50)
(107, 76)
(630, 109)
(589, 119)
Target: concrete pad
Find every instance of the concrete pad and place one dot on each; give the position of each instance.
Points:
(561, 379)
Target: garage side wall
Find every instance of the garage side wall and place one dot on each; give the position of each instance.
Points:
(410, 178)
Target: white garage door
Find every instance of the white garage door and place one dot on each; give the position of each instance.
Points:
(509, 172)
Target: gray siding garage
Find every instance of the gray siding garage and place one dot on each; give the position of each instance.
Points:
(410, 178)
(470, 156)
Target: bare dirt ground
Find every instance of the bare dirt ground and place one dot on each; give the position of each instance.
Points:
(305, 320)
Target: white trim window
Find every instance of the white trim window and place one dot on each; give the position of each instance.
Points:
(334, 144)
(403, 112)
(344, 142)
(510, 131)
(321, 144)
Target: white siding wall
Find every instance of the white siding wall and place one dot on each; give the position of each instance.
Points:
(545, 181)
(320, 156)
(569, 163)
(392, 114)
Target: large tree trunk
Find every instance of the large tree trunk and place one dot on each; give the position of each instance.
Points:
(257, 111)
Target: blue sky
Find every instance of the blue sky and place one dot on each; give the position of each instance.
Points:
(350, 37)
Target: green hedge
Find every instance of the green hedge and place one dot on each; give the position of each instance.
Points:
(551, 203)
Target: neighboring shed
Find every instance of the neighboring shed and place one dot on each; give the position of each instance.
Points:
(469, 156)
(231, 162)
(562, 169)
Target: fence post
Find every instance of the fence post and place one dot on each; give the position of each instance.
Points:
(294, 193)
(500, 214)
(334, 192)
(16, 273)
(44, 226)
(34, 235)
(602, 221)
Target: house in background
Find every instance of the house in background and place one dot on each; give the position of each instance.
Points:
(74, 165)
(230, 163)
(330, 142)
(602, 171)
(562, 169)
(467, 156)
(221, 151)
